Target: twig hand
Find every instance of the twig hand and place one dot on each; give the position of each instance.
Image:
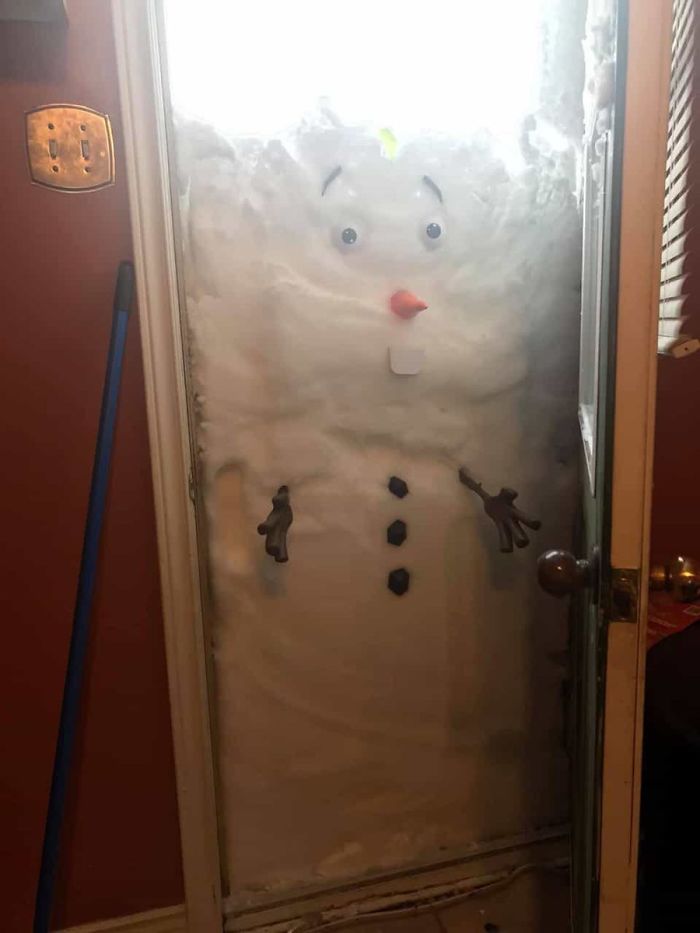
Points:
(505, 515)
(276, 526)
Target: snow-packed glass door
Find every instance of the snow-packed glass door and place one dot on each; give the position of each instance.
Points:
(381, 266)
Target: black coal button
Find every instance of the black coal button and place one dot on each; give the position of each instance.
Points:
(398, 487)
(398, 581)
(396, 533)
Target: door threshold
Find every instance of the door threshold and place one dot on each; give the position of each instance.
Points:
(408, 888)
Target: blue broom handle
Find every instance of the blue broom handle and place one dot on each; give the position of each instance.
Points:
(80, 635)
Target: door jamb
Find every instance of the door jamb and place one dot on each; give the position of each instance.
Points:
(144, 134)
(643, 172)
(154, 253)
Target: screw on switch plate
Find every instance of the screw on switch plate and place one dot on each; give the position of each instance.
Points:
(70, 148)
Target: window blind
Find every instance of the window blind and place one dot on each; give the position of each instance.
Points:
(678, 195)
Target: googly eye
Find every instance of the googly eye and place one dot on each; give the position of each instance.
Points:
(433, 231)
(349, 236)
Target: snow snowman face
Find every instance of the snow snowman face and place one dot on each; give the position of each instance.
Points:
(391, 227)
(381, 223)
(309, 279)
(404, 262)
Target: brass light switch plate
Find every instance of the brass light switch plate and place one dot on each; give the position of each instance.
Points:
(70, 148)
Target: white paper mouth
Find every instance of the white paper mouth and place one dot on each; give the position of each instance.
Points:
(406, 361)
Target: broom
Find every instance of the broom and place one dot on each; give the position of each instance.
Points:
(70, 707)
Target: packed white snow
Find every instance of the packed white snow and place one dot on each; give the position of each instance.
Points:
(358, 730)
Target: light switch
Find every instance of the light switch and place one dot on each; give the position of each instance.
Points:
(70, 148)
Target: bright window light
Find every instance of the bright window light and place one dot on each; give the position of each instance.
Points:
(452, 66)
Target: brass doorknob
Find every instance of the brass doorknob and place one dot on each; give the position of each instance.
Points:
(680, 576)
(560, 573)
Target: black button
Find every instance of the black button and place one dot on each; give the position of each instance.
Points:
(398, 487)
(396, 533)
(398, 581)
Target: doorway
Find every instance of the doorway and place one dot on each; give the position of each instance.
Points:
(377, 322)
(669, 826)
(381, 278)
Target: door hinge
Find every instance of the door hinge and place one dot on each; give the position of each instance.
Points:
(624, 595)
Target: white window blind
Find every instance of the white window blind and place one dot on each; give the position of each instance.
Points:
(676, 246)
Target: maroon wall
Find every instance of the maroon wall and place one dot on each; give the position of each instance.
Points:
(675, 525)
(676, 500)
(57, 266)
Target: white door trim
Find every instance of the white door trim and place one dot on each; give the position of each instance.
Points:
(643, 171)
(144, 128)
(163, 920)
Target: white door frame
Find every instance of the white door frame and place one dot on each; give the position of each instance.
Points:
(143, 119)
(643, 173)
(144, 125)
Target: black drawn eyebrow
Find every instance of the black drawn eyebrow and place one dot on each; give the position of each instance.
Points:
(331, 178)
(429, 183)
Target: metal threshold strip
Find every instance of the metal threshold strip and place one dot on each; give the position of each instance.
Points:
(470, 868)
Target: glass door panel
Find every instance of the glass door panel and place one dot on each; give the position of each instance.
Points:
(381, 261)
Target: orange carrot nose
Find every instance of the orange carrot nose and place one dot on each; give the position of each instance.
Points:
(405, 304)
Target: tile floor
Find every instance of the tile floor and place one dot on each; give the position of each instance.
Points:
(536, 902)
